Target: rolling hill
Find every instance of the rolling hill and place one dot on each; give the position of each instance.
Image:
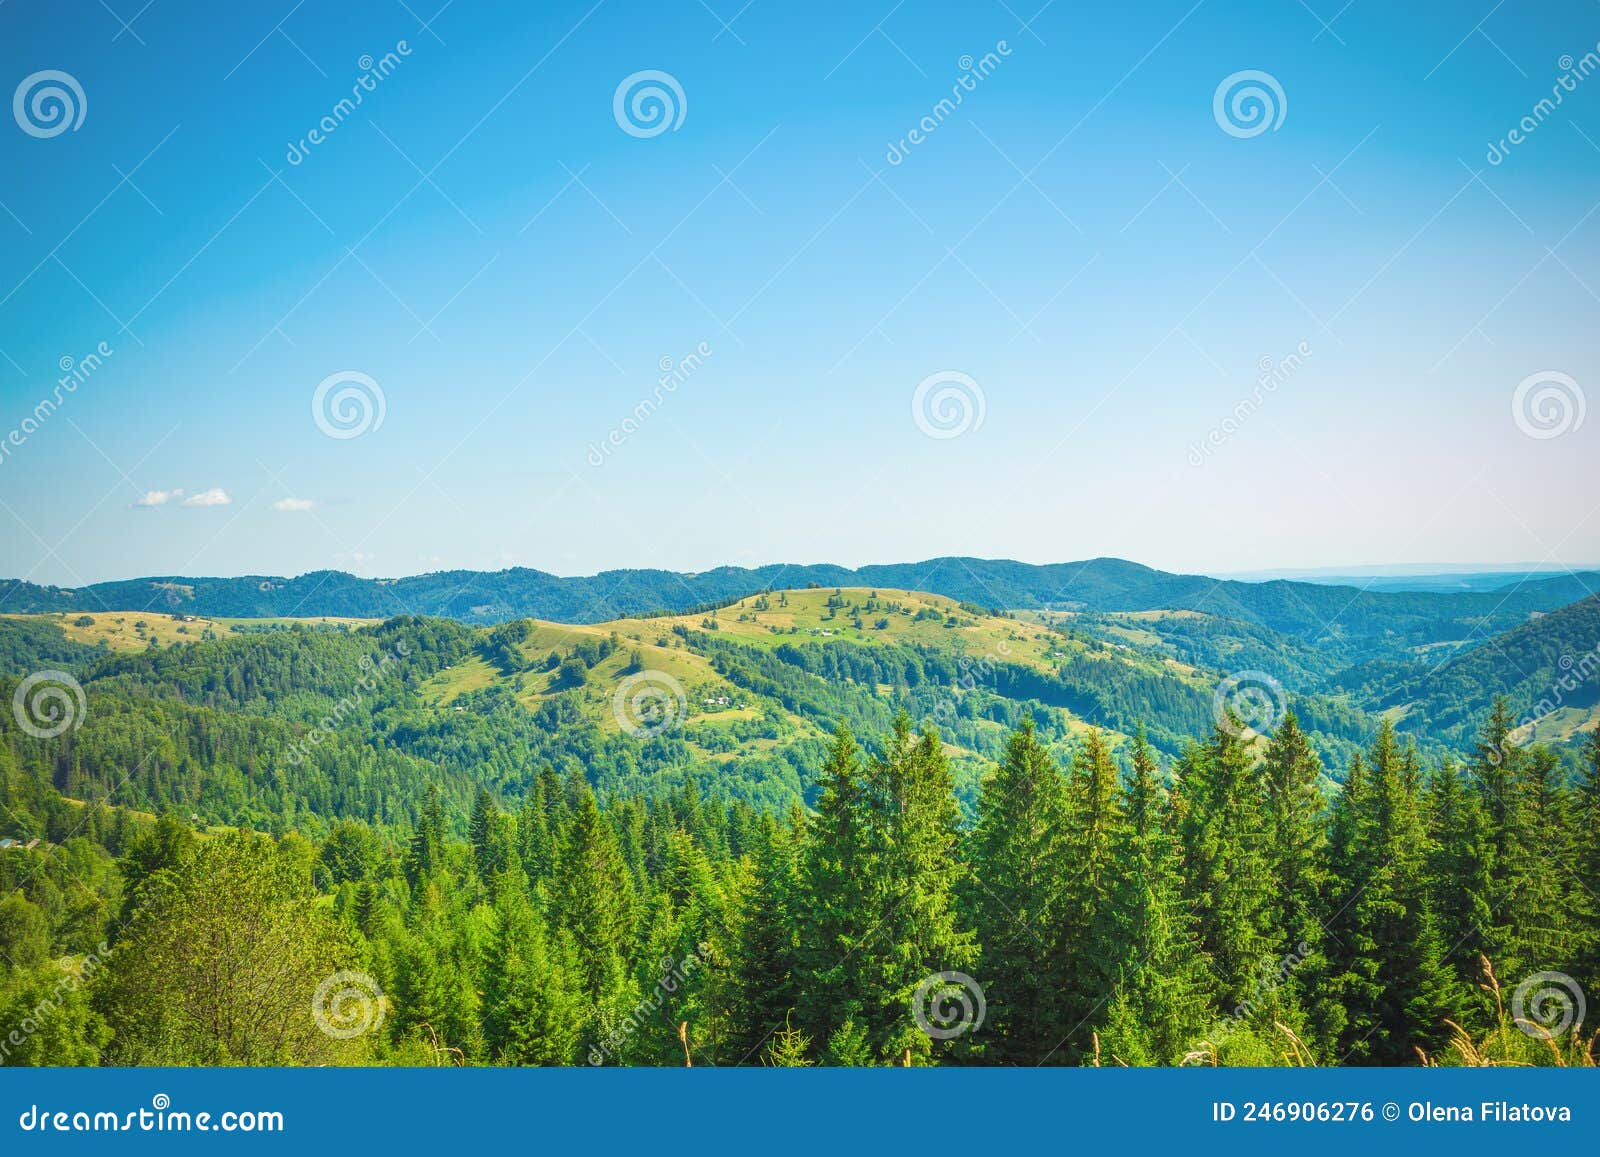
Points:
(284, 723)
(1344, 621)
(1548, 669)
(753, 674)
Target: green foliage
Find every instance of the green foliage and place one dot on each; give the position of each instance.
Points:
(221, 960)
(525, 885)
(1016, 894)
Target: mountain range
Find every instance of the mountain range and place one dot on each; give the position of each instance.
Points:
(1315, 611)
(487, 676)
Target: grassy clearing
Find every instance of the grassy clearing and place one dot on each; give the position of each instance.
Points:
(133, 630)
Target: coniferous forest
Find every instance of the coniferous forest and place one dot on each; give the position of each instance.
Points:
(1089, 899)
(609, 576)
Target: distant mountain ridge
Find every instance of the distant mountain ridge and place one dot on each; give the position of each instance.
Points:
(1314, 612)
(1548, 670)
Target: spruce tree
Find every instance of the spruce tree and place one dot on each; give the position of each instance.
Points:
(1496, 779)
(1404, 988)
(426, 853)
(1586, 828)
(1297, 853)
(533, 1009)
(1549, 888)
(839, 906)
(1457, 869)
(1224, 829)
(594, 901)
(1162, 984)
(914, 820)
(767, 947)
(1087, 927)
(1015, 893)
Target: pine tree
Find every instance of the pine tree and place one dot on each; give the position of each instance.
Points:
(1405, 989)
(1457, 869)
(533, 1009)
(1014, 896)
(840, 907)
(767, 947)
(1087, 927)
(914, 820)
(1297, 855)
(594, 899)
(1224, 830)
(1161, 1000)
(426, 853)
(1586, 828)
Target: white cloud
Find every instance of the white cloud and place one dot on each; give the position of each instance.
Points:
(216, 496)
(159, 497)
(294, 504)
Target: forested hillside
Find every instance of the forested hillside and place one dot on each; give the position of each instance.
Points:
(1092, 914)
(1064, 837)
(1548, 670)
(280, 725)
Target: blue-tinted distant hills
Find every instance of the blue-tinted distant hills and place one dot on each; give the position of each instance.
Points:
(1317, 612)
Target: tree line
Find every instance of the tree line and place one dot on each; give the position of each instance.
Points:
(1217, 908)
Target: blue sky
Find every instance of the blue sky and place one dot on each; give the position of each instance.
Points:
(1081, 239)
